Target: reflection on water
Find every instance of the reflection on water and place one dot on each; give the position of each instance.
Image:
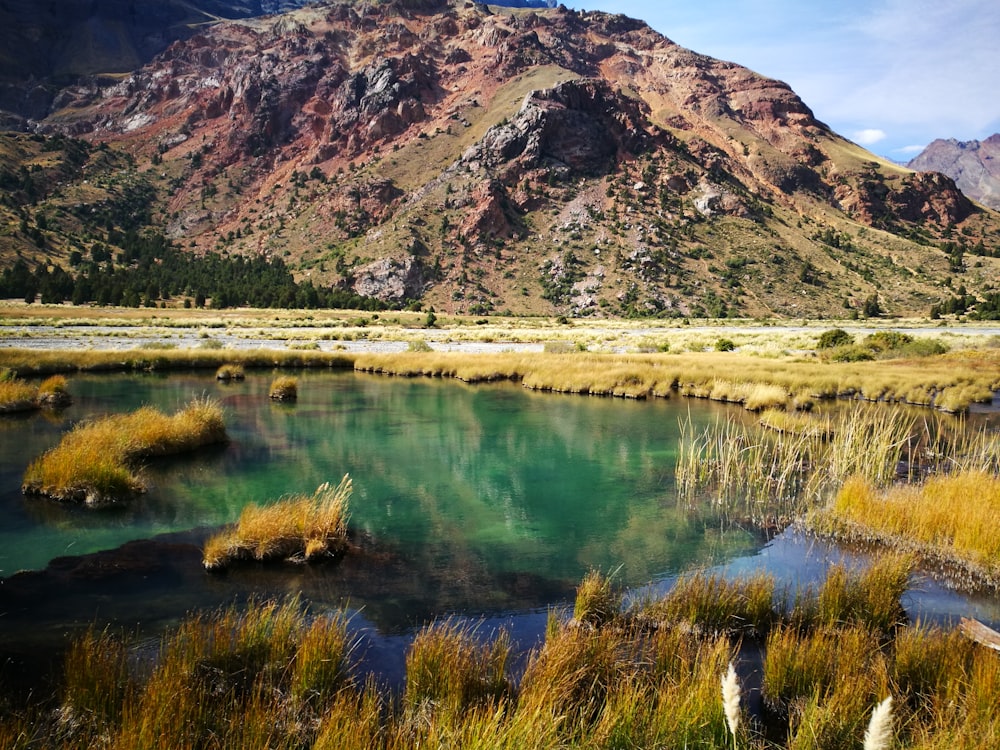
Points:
(510, 479)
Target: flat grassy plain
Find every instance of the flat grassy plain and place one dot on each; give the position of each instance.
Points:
(760, 364)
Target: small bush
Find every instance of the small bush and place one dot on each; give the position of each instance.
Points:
(419, 345)
(883, 341)
(724, 345)
(833, 338)
(851, 353)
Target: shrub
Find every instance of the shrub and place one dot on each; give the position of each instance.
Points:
(724, 345)
(882, 341)
(834, 337)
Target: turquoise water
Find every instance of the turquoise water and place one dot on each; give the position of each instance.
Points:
(490, 477)
(488, 502)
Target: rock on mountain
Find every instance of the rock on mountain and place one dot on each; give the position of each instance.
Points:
(482, 159)
(973, 165)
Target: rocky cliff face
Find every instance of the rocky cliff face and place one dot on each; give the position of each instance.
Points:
(484, 160)
(973, 165)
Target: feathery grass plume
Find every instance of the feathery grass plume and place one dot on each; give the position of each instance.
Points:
(879, 732)
(284, 388)
(731, 700)
(298, 527)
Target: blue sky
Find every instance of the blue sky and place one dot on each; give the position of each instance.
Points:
(892, 75)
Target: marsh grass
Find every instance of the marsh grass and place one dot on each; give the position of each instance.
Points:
(773, 476)
(230, 371)
(95, 462)
(301, 527)
(269, 674)
(450, 670)
(954, 518)
(715, 605)
(17, 395)
(597, 600)
(284, 388)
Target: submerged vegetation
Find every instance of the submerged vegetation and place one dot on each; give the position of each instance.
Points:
(649, 675)
(301, 527)
(95, 462)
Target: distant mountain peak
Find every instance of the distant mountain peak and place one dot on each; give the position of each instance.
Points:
(974, 165)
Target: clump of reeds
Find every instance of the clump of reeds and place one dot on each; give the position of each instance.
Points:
(597, 602)
(230, 372)
(268, 674)
(284, 388)
(449, 670)
(715, 605)
(94, 462)
(53, 392)
(300, 527)
(17, 395)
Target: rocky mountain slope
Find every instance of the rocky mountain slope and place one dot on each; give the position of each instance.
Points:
(973, 165)
(486, 160)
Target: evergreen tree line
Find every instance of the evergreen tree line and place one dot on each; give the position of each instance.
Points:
(149, 270)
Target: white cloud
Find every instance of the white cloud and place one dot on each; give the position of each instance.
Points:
(869, 136)
(909, 149)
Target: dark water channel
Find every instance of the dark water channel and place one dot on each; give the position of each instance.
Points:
(487, 502)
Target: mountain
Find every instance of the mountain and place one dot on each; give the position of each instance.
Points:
(973, 165)
(480, 159)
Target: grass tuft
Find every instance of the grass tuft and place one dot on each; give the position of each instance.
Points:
(93, 463)
(230, 371)
(284, 388)
(299, 528)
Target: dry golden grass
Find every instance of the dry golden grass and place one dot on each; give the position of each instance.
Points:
(16, 395)
(301, 527)
(284, 388)
(230, 371)
(93, 462)
(272, 676)
(953, 517)
(949, 381)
